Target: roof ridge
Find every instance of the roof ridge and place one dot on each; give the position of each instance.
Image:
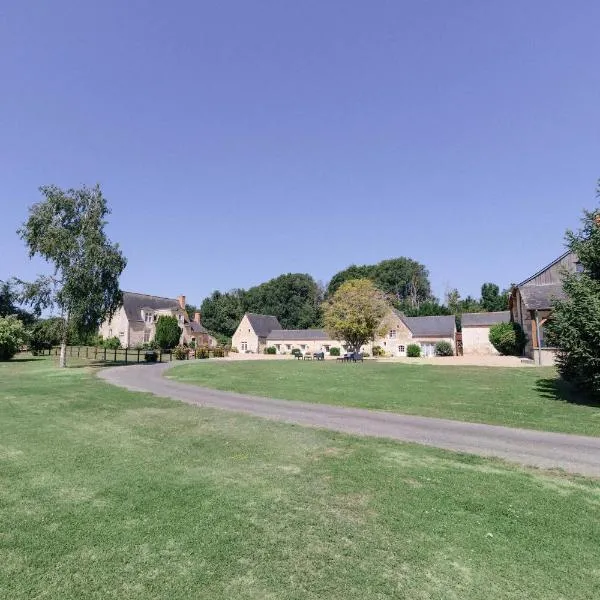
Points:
(149, 295)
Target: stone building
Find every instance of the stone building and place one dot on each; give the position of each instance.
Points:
(135, 321)
(476, 331)
(531, 304)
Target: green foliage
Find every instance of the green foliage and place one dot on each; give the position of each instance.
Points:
(334, 351)
(378, 351)
(168, 332)
(413, 350)
(429, 308)
(147, 346)
(271, 350)
(402, 279)
(12, 336)
(67, 230)
(574, 327)
(111, 343)
(222, 312)
(202, 352)
(444, 348)
(491, 298)
(219, 352)
(181, 353)
(355, 313)
(507, 338)
(45, 334)
(9, 297)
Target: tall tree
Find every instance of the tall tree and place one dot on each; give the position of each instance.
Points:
(491, 298)
(352, 272)
(222, 312)
(9, 297)
(355, 313)
(67, 229)
(574, 326)
(167, 332)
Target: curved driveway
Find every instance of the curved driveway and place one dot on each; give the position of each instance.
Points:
(574, 453)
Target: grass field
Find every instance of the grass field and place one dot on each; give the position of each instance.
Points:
(110, 494)
(518, 397)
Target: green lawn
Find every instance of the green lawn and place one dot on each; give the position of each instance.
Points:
(111, 494)
(518, 397)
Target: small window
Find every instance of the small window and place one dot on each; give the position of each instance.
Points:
(303, 346)
(578, 267)
(327, 348)
(288, 346)
(384, 343)
(244, 346)
(146, 337)
(278, 346)
(121, 333)
(401, 349)
(110, 332)
(392, 334)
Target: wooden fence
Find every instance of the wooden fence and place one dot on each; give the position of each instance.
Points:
(110, 355)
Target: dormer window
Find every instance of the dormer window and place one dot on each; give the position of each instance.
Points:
(148, 317)
(578, 267)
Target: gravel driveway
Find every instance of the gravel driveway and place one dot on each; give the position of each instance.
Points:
(573, 453)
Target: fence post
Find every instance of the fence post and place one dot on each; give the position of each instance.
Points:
(125, 355)
(171, 355)
(78, 350)
(86, 351)
(138, 355)
(160, 355)
(105, 354)
(115, 360)
(95, 352)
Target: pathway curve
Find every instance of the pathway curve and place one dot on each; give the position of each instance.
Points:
(573, 453)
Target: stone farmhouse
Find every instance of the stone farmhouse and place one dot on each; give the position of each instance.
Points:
(476, 331)
(531, 302)
(256, 332)
(135, 321)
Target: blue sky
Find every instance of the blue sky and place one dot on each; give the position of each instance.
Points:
(238, 140)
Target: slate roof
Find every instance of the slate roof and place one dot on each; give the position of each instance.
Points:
(438, 326)
(263, 324)
(298, 334)
(485, 319)
(197, 327)
(540, 297)
(134, 303)
(555, 261)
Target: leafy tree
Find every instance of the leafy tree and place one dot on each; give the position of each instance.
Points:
(168, 332)
(12, 336)
(429, 308)
(403, 279)
(9, 297)
(574, 327)
(491, 298)
(355, 313)
(294, 298)
(222, 312)
(507, 338)
(45, 334)
(67, 229)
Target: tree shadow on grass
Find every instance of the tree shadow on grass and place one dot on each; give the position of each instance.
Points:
(22, 360)
(561, 390)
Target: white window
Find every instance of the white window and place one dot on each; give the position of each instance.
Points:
(401, 349)
(288, 346)
(327, 348)
(180, 318)
(146, 336)
(278, 346)
(244, 346)
(110, 332)
(121, 333)
(392, 334)
(148, 317)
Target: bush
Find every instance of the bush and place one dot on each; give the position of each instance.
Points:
(112, 343)
(150, 356)
(12, 336)
(378, 351)
(444, 349)
(219, 352)
(413, 350)
(335, 351)
(168, 332)
(180, 352)
(271, 350)
(202, 352)
(507, 338)
(146, 346)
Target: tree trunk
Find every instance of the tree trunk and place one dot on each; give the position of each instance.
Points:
(62, 362)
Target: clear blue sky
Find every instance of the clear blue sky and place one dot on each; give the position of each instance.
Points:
(239, 140)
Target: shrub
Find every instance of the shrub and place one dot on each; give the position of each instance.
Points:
(146, 346)
(219, 352)
(507, 338)
(202, 352)
(12, 336)
(180, 352)
(378, 351)
(335, 351)
(271, 350)
(168, 332)
(413, 350)
(112, 343)
(150, 356)
(444, 349)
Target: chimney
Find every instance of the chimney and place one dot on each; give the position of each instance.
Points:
(197, 317)
(181, 300)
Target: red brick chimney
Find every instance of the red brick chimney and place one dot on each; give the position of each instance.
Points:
(197, 317)
(181, 300)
